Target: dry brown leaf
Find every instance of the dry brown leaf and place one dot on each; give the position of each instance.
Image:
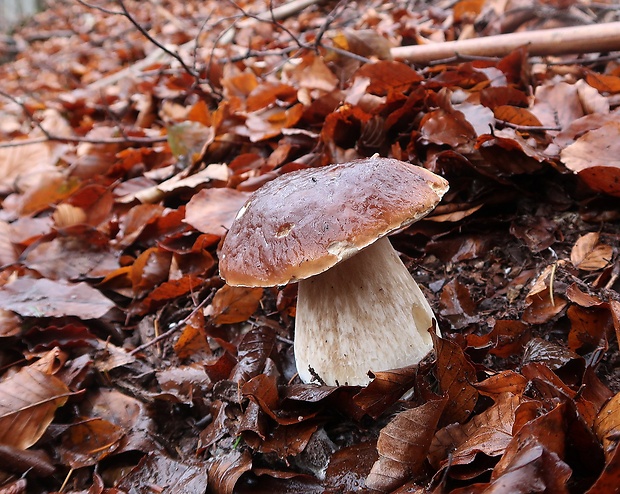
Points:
(595, 157)
(88, 441)
(213, 210)
(232, 304)
(46, 298)
(607, 426)
(455, 375)
(28, 401)
(588, 254)
(488, 432)
(226, 470)
(21, 166)
(403, 445)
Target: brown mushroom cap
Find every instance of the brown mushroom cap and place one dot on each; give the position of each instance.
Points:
(304, 222)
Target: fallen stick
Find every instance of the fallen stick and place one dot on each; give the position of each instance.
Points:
(560, 41)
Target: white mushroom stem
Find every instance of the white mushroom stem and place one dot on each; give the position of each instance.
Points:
(365, 314)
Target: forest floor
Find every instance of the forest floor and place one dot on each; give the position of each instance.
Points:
(130, 135)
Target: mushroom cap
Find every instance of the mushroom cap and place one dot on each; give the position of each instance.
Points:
(304, 222)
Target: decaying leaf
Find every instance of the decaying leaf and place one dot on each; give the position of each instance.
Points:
(607, 426)
(456, 376)
(590, 255)
(403, 445)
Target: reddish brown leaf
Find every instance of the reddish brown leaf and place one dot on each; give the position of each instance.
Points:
(488, 432)
(150, 269)
(403, 445)
(385, 389)
(349, 467)
(455, 375)
(125, 412)
(516, 115)
(503, 382)
(82, 253)
(226, 470)
(603, 82)
(507, 338)
(387, 76)
(37, 298)
(588, 327)
(457, 305)
(610, 477)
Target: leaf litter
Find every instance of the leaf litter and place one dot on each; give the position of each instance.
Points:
(127, 365)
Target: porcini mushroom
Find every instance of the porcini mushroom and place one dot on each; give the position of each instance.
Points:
(358, 308)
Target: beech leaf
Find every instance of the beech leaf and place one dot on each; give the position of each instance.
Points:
(233, 304)
(588, 254)
(403, 445)
(31, 297)
(28, 401)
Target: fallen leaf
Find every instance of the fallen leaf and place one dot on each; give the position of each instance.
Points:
(232, 304)
(403, 445)
(590, 255)
(213, 210)
(226, 469)
(595, 157)
(455, 375)
(607, 426)
(157, 472)
(28, 402)
(31, 297)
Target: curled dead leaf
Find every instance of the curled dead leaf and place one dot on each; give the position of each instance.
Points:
(590, 255)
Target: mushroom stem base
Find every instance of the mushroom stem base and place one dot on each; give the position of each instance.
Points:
(365, 314)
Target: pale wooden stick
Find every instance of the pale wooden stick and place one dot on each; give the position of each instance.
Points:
(560, 41)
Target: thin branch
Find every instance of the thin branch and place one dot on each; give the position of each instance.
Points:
(27, 112)
(78, 139)
(159, 45)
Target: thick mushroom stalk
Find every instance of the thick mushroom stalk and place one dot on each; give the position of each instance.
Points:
(366, 313)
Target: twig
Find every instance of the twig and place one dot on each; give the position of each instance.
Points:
(78, 139)
(581, 39)
(527, 128)
(153, 40)
(173, 329)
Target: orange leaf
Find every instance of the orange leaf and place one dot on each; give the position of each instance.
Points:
(516, 115)
(233, 304)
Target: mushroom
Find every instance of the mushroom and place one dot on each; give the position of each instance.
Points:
(358, 308)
